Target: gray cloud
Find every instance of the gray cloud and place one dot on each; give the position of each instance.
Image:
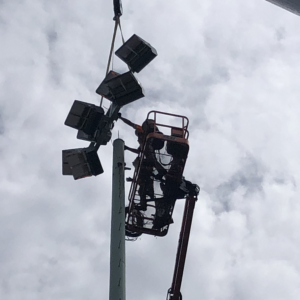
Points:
(232, 69)
(250, 177)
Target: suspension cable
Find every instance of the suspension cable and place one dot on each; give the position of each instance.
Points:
(121, 32)
(117, 20)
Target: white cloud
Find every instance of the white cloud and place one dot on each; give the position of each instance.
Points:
(232, 68)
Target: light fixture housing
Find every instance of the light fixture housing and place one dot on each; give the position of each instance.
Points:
(81, 162)
(86, 118)
(121, 89)
(136, 53)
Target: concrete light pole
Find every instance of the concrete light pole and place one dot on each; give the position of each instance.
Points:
(117, 289)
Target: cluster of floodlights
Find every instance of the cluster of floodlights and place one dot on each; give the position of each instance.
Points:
(92, 123)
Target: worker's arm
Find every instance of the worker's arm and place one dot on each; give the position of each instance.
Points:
(137, 151)
(126, 121)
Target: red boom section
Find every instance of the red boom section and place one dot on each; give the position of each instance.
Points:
(174, 291)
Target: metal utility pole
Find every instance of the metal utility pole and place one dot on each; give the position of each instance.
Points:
(117, 245)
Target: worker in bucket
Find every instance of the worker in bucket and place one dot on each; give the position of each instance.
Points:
(141, 132)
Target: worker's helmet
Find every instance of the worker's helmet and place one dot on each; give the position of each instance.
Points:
(148, 126)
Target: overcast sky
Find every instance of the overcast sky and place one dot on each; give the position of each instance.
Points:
(233, 68)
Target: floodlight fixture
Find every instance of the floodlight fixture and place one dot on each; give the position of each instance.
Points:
(136, 53)
(85, 117)
(103, 89)
(120, 89)
(81, 162)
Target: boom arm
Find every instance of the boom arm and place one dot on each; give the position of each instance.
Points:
(174, 291)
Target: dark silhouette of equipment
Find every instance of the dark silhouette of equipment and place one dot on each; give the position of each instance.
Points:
(86, 118)
(120, 89)
(82, 162)
(92, 123)
(118, 10)
(158, 178)
(157, 184)
(136, 53)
